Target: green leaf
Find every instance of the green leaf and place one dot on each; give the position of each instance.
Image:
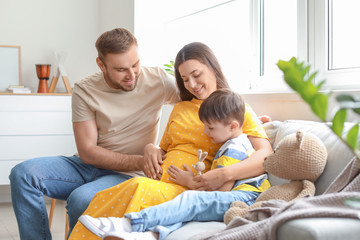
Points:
(352, 136)
(345, 98)
(356, 110)
(321, 84)
(319, 105)
(338, 122)
(308, 92)
(169, 68)
(353, 202)
(356, 107)
(298, 77)
(312, 76)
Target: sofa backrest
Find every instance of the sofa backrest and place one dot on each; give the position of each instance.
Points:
(338, 152)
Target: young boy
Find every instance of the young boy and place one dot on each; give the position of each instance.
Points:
(223, 115)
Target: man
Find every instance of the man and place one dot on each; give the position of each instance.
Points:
(115, 114)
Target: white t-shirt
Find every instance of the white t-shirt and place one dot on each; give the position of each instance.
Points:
(126, 121)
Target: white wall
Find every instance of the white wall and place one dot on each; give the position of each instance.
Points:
(116, 13)
(41, 27)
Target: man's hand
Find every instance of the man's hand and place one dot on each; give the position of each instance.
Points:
(184, 178)
(209, 181)
(153, 159)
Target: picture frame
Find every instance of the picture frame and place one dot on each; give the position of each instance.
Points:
(10, 66)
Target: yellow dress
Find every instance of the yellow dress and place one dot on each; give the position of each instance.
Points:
(183, 136)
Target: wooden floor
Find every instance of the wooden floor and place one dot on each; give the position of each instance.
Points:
(9, 227)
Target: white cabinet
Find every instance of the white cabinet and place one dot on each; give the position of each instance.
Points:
(33, 126)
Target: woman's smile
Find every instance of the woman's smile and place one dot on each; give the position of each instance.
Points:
(198, 78)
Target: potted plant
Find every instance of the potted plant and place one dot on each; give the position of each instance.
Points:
(169, 68)
(297, 75)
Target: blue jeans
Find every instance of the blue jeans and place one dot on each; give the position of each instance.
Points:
(188, 206)
(65, 178)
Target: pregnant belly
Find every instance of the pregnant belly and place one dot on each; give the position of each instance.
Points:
(179, 158)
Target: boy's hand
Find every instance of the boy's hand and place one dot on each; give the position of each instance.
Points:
(181, 177)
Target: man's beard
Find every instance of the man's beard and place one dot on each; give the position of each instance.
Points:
(120, 86)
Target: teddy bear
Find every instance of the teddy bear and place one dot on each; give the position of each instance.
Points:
(300, 158)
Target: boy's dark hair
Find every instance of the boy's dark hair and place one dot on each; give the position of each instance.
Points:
(223, 105)
(118, 40)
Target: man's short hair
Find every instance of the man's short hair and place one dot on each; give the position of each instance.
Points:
(223, 105)
(118, 40)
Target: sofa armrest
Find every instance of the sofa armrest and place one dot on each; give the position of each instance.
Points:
(319, 229)
(193, 228)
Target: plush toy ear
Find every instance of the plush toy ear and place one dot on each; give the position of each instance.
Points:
(203, 156)
(299, 138)
(199, 153)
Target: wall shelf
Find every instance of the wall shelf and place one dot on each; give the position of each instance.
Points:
(37, 94)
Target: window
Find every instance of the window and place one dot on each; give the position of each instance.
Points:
(280, 36)
(229, 38)
(333, 42)
(250, 36)
(344, 41)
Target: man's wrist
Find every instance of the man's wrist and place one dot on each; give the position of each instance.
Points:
(190, 185)
(139, 162)
(226, 174)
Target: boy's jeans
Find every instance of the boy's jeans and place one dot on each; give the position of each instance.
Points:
(188, 206)
(65, 178)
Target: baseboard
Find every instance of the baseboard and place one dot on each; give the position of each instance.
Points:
(5, 195)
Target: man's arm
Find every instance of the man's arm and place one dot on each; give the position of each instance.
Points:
(250, 167)
(185, 178)
(90, 153)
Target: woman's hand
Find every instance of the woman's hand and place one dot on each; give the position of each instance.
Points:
(153, 159)
(264, 119)
(209, 181)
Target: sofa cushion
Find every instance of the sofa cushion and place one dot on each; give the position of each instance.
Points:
(319, 229)
(193, 228)
(338, 156)
(271, 129)
(338, 152)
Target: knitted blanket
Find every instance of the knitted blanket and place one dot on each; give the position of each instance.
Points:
(261, 223)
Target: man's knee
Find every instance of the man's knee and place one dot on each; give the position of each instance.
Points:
(78, 201)
(21, 171)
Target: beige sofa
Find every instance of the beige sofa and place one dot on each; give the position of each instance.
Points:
(311, 228)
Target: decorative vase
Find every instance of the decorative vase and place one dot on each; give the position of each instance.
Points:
(43, 73)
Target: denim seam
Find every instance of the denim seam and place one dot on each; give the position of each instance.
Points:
(252, 200)
(60, 179)
(137, 221)
(43, 215)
